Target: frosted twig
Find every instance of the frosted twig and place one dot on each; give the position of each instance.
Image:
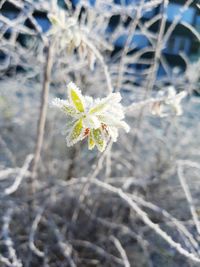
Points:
(188, 195)
(97, 249)
(124, 229)
(141, 104)
(23, 172)
(193, 243)
(192, 29)
(34, 227)
(42, 115)
(176, 20)
(127, 44)
(86, 186)
(4, 174)
(143, 215)
(64, 246)
(159, 46)
(7, 239)
(101, 60)
(121, 251)
(5, 261)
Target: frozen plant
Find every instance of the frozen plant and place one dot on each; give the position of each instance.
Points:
(170, 105)
(98, 120)
(65, 29)
(69, 35)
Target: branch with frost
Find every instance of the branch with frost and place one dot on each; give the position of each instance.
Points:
(4, 174)
(32, 234)
(124, 229)
(176, 20)
(98, 250)
(69, 35)
(121, 250)
(132, 200)
(15, 262)
(144, 217)
(84, 190)
(127, 45)
(187, 237)
(42, 114)
(165, 104)
(22, 173)
(187, 192)
(65, 247)
(5, 261)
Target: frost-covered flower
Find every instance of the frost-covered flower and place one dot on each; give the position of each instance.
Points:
(170, 105)
(65, 30)
(69, 35)
(98, 120)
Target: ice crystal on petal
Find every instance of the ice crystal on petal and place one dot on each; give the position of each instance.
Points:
(98, 120)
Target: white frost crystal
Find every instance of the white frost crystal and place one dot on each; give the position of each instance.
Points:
(98, 120)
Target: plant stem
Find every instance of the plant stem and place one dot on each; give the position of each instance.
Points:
(42, 116)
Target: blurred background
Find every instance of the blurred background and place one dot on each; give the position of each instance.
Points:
(137, 203)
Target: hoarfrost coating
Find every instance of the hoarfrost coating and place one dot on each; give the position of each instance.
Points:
(98, 120)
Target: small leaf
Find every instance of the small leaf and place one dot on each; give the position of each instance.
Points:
(91, 143)
(99, 139)
(76, 97)
(64, 105)
(98, 108)
(69, 110)
(76, 133)
(105, 102)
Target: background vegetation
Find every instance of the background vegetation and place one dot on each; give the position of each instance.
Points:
(137, 203)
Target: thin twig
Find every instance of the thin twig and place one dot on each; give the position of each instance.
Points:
(121, 251)
(188, 196)
(34, 227)
(127, 44)
(143, 215)
(42, 116)
(23, 172)
(8, 241)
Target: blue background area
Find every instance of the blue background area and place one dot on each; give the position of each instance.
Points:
(180, 41)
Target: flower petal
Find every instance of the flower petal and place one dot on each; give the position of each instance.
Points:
(76, 133)
(99, 139)
(76, 97)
